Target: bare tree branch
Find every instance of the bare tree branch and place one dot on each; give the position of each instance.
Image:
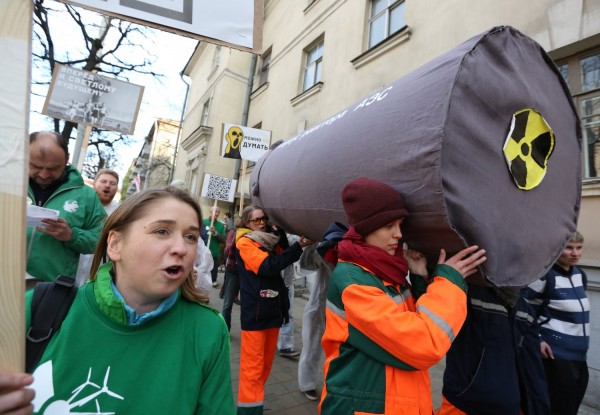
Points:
(104, 48)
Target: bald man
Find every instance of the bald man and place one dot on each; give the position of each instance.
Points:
(53, 249)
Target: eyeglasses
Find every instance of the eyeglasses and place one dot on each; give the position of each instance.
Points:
(258, 221)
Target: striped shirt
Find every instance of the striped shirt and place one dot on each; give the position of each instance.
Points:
(565, 312)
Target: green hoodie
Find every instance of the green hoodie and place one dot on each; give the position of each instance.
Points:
(80, 206)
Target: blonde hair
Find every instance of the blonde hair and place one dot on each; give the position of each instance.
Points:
(576, 237)
(134, 208)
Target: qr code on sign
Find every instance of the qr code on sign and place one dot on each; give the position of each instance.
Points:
(218, 187)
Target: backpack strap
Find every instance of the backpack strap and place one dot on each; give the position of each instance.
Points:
(49, 307)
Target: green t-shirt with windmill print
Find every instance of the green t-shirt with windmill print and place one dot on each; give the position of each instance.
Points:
(175, 363)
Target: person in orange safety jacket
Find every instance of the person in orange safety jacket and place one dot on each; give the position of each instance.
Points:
(262, 252)
(382, 334)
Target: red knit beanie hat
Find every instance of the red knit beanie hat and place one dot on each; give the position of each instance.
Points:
(371, 204)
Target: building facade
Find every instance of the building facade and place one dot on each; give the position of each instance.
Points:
(153, 167)
(320, 56)
(216, 96)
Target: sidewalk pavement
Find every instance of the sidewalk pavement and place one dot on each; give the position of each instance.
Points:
(282, 396)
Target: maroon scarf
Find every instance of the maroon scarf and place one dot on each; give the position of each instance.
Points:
(390, 268)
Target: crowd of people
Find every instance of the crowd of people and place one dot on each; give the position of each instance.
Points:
(139, 336)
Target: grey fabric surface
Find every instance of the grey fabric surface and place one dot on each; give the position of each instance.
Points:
(437, 135)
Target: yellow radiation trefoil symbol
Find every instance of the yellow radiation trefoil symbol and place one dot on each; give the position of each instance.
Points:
(528, 147)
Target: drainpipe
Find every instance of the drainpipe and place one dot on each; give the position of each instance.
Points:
(238, 162)
(187, 90)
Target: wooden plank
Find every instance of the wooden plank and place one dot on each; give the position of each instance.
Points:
(15, 49)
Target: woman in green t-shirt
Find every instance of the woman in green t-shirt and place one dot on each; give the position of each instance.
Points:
(137, 338)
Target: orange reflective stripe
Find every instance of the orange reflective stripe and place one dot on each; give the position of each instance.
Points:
(412, 337)
(444, 303)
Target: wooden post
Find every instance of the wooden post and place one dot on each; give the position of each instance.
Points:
(15, 49)
(81, 146)
(212, 221)
(244, 166)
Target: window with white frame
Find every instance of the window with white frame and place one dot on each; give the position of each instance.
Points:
(590, 72)
(194, 182)
(589, 110)
(216, 57)
(564, 71)
(264, 69)
(582, 74)
(205, 110)
(387, 17)
(314, 65)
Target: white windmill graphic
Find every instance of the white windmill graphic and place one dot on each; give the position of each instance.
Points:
(62, 407)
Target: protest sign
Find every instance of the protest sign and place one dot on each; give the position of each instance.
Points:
(244, 143)
(88, 98)
(218, 187)
(233, 23)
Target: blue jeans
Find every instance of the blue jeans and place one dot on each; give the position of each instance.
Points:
(231, 288)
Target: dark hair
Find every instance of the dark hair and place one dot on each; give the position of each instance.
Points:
(107, 171)
(134, 208)
(245, 216)
(60, 140)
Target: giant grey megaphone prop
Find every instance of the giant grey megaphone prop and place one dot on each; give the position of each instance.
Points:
(483, 142)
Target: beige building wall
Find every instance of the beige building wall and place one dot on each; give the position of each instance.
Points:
(349, 73)
(562, 27)
(216, 96)
(567, 29)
